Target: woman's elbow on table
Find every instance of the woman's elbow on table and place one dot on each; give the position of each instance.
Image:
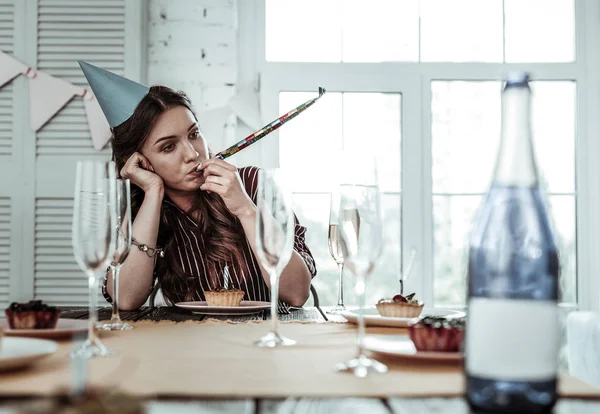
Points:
(129, 304)
(299, 299)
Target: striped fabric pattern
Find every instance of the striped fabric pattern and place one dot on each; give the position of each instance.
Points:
(190, 248)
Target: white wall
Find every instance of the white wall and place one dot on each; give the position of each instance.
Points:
(192, 47)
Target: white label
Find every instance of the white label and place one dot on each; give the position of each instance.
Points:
(512, 340)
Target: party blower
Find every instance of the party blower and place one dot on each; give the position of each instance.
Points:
(267, 129)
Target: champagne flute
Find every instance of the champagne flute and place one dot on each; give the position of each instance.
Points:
(274, 241)
(93, 237)
(361, 239)
(335, 249)
(123, 246)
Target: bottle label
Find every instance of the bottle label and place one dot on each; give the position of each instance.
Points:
(512, 339)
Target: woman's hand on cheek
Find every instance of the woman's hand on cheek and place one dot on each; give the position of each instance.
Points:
(223, 178)
(139, 171)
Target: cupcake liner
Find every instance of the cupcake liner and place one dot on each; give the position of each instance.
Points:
(225, 298)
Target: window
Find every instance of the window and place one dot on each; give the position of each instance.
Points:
(421, 80)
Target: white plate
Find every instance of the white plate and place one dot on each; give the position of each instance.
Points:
(372, 317)
(21, 352)
(402, 346)
(64, 328)
(246, 307)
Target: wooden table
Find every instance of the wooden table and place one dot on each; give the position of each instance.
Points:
(303, 405)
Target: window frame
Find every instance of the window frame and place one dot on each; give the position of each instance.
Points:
(413, 80)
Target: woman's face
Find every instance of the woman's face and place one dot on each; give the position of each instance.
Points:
(174, 148)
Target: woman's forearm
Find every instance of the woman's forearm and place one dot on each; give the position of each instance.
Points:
(136, 276)
(294, 283)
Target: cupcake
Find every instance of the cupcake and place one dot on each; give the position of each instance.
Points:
(438, 334)
(400, 307)
(32, 315)
(224, 297)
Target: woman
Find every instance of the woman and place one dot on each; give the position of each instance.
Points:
(203, 222)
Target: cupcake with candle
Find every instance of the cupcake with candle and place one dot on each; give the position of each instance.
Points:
(224, 296)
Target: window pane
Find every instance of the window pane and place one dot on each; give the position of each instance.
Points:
(453, 220)
(369, 120)
(373, 120)
(453, 217)
(313, 212)
(539, 30)
(553, 112)
(342, 30)
(380, 30)
(461, 31)
(465, 134)
(303, 31)
(562, 210)
(310, 139)
(465, 120)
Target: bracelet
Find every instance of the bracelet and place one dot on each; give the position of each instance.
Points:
(150, 251)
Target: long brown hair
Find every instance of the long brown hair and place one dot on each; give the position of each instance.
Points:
(221, 231)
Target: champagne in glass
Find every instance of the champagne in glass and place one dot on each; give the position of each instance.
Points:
(361, 239)
(335, 249)
(123, 246)
(274, 241)
(93, 237)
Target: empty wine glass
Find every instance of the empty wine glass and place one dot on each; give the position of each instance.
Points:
(335, 249)
(122, 248)
(274, 241)
(361, 240)
(93, 237)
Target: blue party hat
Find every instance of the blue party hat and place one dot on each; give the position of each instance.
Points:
(118, 97)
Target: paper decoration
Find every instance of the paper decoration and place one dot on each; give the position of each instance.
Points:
(245, 105)
(9, 68)
(99, 128)
(47, 96)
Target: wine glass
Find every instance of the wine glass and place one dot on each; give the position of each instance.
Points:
(122, 248)
(361, 240)
(93, 237)
(335, 249)
(274, 241)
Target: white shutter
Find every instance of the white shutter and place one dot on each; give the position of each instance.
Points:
(58, 278)
(6, 152)
(6, 93)
(68, 30)
(5, 211)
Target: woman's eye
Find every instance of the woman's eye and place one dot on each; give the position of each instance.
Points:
(169, 148)
(194, 135)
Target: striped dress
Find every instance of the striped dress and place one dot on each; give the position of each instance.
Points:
(190, 250)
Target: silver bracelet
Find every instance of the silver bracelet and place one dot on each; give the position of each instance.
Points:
(150, 251)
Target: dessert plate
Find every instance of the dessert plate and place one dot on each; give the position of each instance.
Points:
(247, 307)
(372, 317)
(402, 346)
(21, 352)
(64, 329)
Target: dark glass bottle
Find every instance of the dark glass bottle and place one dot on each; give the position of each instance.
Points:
(512, 336)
